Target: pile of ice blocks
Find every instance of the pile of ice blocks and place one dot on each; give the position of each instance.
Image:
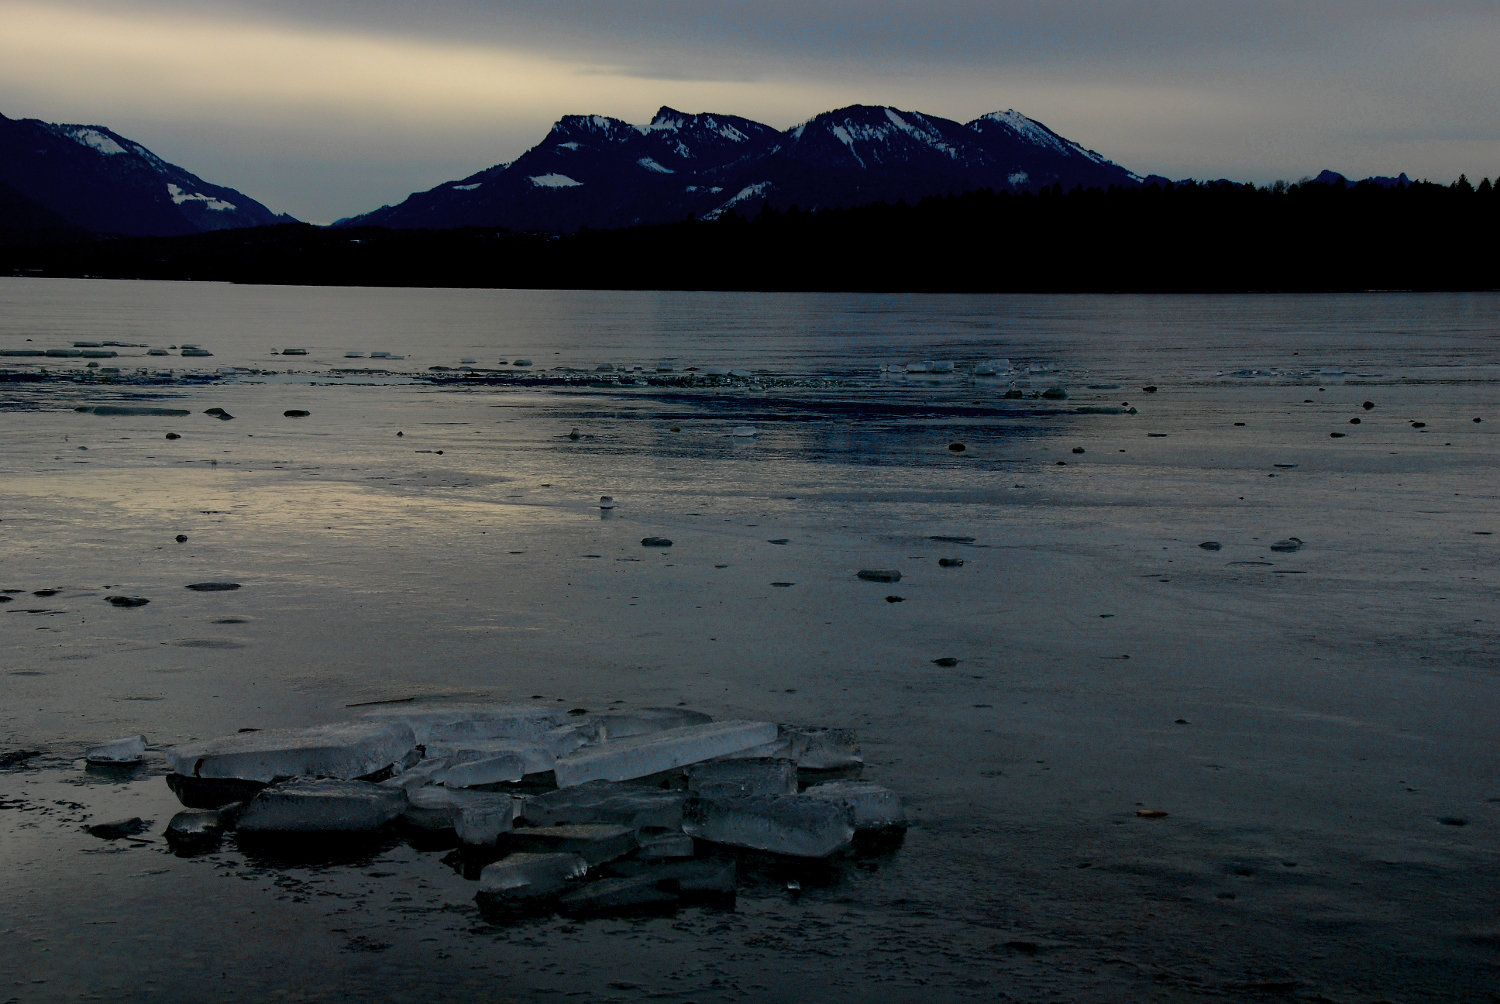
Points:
(583, 813)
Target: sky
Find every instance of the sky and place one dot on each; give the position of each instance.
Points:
(327, 108)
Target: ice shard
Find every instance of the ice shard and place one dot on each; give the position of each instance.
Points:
(481, 824)
(623, 724)
(489, 770)
(639, 756)
(321, 805)
(439, 809)
(345, 751)
(792, 825)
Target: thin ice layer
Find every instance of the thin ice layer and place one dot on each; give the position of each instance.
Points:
(322, 805)
(793, 825)
(638, 756)
(344, 750)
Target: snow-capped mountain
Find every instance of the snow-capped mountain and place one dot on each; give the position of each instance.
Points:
(98, 181)
(599, 172)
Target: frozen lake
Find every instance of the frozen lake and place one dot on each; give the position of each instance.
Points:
(1318, 725)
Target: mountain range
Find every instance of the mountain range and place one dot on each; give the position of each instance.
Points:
(599, 172)
(63, 180)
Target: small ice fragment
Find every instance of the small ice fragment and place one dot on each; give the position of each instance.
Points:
(490, 770)
(792, 825)
(343, 750)
(195, 830)
(424, 773)
(745, 431)
(520, 877)
(605, 802)
(638, 756)
(606, 502)
(451, 723)
(117, 751)
(322, 805)
(1288, 545)
(740, 778)
(871, 806)
(596, 843)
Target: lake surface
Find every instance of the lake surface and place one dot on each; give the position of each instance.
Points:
(1317, 724)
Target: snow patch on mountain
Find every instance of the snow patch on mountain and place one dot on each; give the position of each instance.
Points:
(209, 202)
(467, 188)
(755, 191)
(652, 165)
(570, 145)
(553, 181)
(96, 139)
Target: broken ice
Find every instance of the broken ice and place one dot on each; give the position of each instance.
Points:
(528, 876)
(639, 756)
(739, 778)
(792, 825)
(322, 805)
(346, 750)
(871, 807)
(117, 751)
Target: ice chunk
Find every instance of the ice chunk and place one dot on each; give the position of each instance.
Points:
(820, 748)
(596, 843)
(638, 756)
(623, 724)
(871, 806)
(489, 770)
(738, 778)
(438, 809)
(117, 751)
(605, 802)
(566, 738)
(793, 825)
(423, 773)
(480, 824)
(520, 877)
(451, 723)
(194, 830)
(345, 750)
(323, 805)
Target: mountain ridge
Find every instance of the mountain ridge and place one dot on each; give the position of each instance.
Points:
(599, 172)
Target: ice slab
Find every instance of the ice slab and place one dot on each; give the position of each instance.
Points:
(605, 802)
(792, 825)
(638, 756)
(323, 805)
(871, 806)
(520, 877)
(450, 723)
(195, 830)
(439, 809)
(489, 770)
(117, 751)
(425, 772)
(345, 750)
(740, 778)
(596, 843)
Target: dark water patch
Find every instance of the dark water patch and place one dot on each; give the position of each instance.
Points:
(207, 643)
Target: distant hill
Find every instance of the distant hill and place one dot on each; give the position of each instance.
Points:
(57, 180)
(596, 172)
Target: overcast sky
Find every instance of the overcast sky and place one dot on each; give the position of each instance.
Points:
(326, 108)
